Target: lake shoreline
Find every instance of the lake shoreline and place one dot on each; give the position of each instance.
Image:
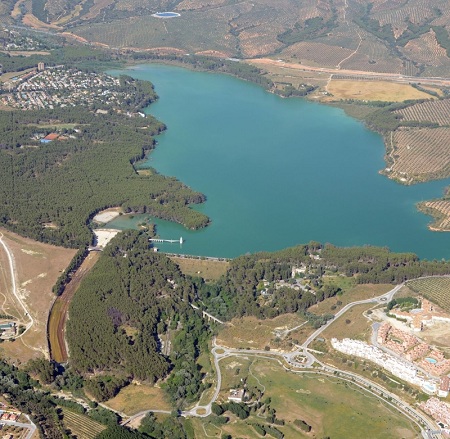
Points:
(271, 225)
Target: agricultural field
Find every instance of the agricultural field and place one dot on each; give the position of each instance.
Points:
(373, 56)
(426, 50)
(332, 407)
(260, 28)
(316, 54)
(373, 90)
(249, 332)
(146, 31)
(97, 8)
(37, 267)
(435, 111)
(207, 269)
(419, 154)
(81, 426)
(440, 210)
(436, 289)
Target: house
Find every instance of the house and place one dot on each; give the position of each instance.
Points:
(49, 138)
(236, 395)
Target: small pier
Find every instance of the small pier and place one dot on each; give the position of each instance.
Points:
(167, 240)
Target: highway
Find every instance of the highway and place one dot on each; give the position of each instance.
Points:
(393, 77)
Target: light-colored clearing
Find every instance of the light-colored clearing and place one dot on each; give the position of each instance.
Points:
(207, 269)
(103, 236)
(25, 52)
(136, 398)
(32, 260)
(106, 216)
(249, 332)
(374, 91)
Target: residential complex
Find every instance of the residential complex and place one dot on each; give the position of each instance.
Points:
(400, 368)
(439, 410)
(427, 357)
(61, 87)
(426, 315)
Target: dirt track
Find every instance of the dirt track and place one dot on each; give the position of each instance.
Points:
(58, 315)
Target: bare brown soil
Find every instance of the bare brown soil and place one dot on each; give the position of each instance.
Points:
(38, 266)
(60, 309)
(75, 37)
(32, 21)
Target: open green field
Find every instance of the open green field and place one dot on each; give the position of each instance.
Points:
(205, 268)
(331, 406)
(351, 324)
(135, 398)
(249, 332)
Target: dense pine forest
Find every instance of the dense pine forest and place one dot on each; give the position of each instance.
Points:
(48, 191)
(131, 298)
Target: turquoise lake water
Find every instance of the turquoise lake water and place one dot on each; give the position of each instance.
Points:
(278, 172)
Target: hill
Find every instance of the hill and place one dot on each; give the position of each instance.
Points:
(408, 37)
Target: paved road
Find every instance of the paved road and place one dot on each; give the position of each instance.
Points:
(29, 426)
(345, 72)
(290, 361)
(384, 298)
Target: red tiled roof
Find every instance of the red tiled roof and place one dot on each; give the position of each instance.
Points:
(51, 136)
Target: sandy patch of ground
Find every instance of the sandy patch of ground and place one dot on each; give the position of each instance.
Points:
(24, 52)
(103, 236)
(38, 266)
(106, 216)
(438, 334)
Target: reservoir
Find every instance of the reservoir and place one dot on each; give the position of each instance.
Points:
(277, 172)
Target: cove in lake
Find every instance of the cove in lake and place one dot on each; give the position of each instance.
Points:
(277, 172)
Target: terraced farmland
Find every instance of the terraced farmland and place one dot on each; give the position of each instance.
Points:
(398, 17)
(81, 426)
(98, 6)
(373, 56)
(181, 32)
(437, 111)
(436, 289)
(440, 209)
(420, 154)
(427, 50)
